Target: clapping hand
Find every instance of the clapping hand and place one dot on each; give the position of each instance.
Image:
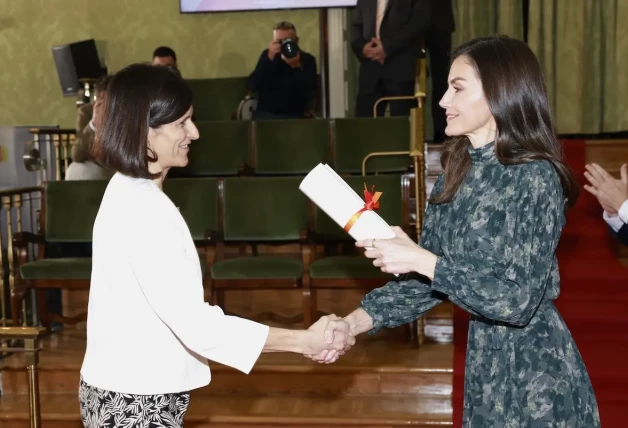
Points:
(331, 337)
(399, 254)
(610, 192)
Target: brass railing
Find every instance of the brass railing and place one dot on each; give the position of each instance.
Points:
(19, 211)
(58, 144)
(30, 336)
(416, 151)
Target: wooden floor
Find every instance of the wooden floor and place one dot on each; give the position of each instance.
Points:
(384, 381)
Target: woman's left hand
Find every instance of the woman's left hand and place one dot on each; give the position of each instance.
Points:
(399, 254)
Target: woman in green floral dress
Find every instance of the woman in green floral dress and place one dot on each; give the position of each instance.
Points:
(488, 245)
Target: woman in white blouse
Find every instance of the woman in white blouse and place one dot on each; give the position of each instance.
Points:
(149, 331)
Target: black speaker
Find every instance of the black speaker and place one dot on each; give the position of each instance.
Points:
(76, 61)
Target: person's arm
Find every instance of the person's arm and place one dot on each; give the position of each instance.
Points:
(398, 302)
(621, 234)
(171, 281)
(402, 300)
(411, 32)
(265, 67)
(613, 221)
(505, 280)
(616, 222)
(357, 26)
(80, 150)
(405, 299)
(305, 79)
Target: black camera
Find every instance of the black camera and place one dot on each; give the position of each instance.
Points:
(289, 48)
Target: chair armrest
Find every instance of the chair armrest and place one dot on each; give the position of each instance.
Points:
(308, 248)
(20, 245)
(22, 239)
(246, 170)
(215, 244)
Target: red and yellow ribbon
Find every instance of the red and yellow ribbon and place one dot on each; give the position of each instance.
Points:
(371, 204)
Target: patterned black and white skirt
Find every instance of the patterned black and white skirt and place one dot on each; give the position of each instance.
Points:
(106, 409)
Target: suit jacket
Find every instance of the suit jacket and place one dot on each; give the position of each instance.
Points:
(622, 234)
(401, 31)
(84, 134)
(442, 16)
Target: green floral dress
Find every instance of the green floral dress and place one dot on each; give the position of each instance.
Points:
(496, 243)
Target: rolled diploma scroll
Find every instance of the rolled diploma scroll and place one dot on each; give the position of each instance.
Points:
(340, 202)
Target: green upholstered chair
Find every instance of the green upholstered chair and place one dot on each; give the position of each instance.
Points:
(354, 139)
(217, 99)
(67, 216)
(197, 200)
(222, 150)
(293, 146)
(349, 269)
(261, 210)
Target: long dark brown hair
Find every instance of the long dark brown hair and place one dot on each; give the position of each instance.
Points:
(514, 88)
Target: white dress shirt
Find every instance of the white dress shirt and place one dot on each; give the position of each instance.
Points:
(149, 330)
(617, 221)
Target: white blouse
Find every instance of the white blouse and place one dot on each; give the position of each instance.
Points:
(149, 330)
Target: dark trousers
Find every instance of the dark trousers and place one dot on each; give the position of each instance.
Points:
(368, 96)
(438, 44)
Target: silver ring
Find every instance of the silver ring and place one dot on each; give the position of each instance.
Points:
(373, 243)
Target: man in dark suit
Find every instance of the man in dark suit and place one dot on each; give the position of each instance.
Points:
(438, 44)
(386, 37)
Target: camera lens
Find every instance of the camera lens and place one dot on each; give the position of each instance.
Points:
(289, 48)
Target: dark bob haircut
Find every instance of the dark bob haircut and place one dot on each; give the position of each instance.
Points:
(514, 87)
(139, 97)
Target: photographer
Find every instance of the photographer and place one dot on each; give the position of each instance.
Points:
(285, 77)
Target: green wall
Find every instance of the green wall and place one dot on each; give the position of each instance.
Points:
(127, 31)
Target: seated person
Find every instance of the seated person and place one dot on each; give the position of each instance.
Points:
(612, 194)
(165, 56)
(286, 87)
(83, 166)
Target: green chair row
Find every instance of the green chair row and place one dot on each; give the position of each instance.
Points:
(237, 210)
(217, 99)
(284, 147)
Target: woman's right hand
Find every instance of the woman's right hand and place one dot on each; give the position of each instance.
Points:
(359, 321)
(329, 335)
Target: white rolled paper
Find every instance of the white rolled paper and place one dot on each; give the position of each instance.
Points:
(340, 202)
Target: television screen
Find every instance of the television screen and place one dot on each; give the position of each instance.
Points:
(191, 6)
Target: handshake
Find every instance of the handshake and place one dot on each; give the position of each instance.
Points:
(325, 341)
(328, 339)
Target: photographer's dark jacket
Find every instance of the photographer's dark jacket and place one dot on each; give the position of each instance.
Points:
(281, 89)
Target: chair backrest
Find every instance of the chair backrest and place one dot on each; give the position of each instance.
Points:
(197, 200)
(393, 204)
(263, 209)
(293, 146)
(217, 99)
(356, 138)
(71, 208)
(221, 150)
